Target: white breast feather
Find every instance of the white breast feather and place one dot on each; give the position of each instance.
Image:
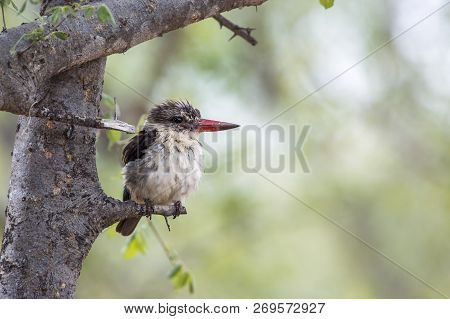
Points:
(179, 169)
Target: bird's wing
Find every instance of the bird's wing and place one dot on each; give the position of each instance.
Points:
(126, 194)
(136, 147)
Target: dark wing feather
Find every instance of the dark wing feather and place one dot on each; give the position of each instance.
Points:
(126, 194)
(134, 150)
(128, 225)
(137, 145)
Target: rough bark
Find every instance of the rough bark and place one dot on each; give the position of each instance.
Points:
(56, 206)
(50, 220)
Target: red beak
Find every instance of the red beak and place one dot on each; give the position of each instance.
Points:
(213, 126)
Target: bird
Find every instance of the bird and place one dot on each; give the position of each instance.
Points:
(163, 162)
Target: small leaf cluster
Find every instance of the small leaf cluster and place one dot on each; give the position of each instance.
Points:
(181, 277)
(33, 36)
(137, 244)
(57, 15)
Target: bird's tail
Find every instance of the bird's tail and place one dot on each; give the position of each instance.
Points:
(127, 226)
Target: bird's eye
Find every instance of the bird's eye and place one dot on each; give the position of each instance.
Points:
(177, 119)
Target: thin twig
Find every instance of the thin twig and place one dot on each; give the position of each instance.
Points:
(116, 125)
(170, 255)
(244, 33)
(84, 121)
(111, 210)
(3, 17)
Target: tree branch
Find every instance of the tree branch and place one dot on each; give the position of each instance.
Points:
(244, 33)
(83, 121)
(111, 211)
(117, 126)
(23, 75)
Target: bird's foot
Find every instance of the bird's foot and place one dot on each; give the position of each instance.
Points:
(178, 209)
(176, 213)
(149, 209)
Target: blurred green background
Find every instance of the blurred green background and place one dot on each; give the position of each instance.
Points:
(378, 153)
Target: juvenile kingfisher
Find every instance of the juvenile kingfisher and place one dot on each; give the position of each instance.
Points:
(163, 163)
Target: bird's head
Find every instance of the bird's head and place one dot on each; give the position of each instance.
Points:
(182, 116)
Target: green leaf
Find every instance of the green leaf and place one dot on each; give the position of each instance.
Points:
(108, 101)
(60, 35)
(113, 137)
(22, 8)
(88, 11)
(68, 11)
(14, 5)
(175, 271)
(135, 245)
(35, 35)
(181, 278)
(327, 3)
(55, 16)
(105, 15)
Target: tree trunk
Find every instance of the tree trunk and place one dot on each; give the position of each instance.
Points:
(49, 220)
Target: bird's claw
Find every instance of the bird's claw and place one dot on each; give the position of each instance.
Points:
(178, 209)
(149, 209)
(177, 212)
